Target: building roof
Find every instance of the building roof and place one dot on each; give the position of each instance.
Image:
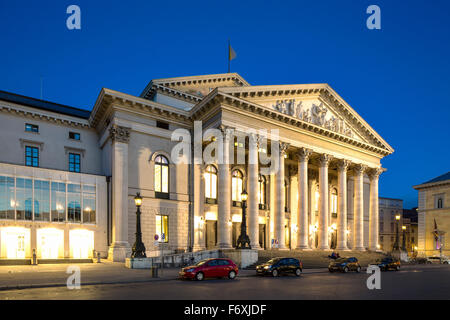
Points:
(443, 177)
(44, 105)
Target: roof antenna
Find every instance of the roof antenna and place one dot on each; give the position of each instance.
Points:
(42, 85)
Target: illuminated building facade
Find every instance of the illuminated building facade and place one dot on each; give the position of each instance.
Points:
(323, 195)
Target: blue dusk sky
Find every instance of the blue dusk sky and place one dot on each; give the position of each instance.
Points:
(396, 78)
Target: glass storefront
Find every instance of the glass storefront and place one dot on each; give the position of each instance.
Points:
(43, 200)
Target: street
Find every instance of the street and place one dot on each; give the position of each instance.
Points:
(412, 282)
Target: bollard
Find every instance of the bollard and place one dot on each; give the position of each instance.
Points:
(34, 258)
(98, 257)
(154, 271)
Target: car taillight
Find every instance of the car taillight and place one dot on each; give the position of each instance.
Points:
(301, 265)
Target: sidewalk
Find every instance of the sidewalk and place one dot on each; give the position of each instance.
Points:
(41, 276)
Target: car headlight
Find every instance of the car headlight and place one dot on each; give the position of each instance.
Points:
(267, 267)
(190, 270)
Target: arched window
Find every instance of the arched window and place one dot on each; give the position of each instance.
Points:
(161, 177)
(210, 183)
(262, 191)
(439, 203)
(334, 201)
(236, 185)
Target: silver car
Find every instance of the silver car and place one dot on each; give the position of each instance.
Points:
(437, 260)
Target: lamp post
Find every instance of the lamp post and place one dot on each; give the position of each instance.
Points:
(138, 250)
(404, 238)
(243, 242)
(396, 244)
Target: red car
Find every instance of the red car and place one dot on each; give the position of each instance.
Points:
(210, 268)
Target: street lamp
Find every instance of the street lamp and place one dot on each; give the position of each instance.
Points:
(404, 238)
(138, 250)
(243, 242)
(396, 244)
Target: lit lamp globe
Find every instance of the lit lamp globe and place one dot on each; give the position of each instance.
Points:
(397, 217)
(244, 196)
(138, 200)
(403, 227)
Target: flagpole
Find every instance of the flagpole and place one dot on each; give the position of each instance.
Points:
(229, 61)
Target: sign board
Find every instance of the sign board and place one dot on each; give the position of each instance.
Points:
(163, 236)
(156, 243)
(156, 237)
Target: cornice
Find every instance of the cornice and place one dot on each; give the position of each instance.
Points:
(432, 185)
(211, 78)
(154, 88)
(42, 115)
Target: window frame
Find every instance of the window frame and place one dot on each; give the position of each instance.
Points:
(237, 202)
(32, 127)
(32, 156)
(161, 194)
(211, 171)
(262, 194)
(160, 232)
(75, 134)
(79, 162)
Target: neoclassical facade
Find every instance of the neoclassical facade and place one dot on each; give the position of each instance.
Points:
(322, 194)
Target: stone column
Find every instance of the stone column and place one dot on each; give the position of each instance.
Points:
(374, 213)
(253, 205)
(224, 200)
(279, 214)
(342, 205)
(324, 160)
(199, 219)
(358, 243)
(303, 225)
(120, 248)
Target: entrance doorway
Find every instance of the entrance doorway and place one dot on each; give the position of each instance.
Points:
(262, 236)
(211, 234)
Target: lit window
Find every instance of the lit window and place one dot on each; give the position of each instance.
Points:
(31, 156)
(7, 199)
(74, 162)
(236, 185)
(24, 199)
(286, 196)
(262, 190)
(162, 228)
(31, 128)
(210, 182)
(334, 201)
(74, 202)
(58, 201)
(161, 176)
(88, 204)
(74, 136)
(41, 200)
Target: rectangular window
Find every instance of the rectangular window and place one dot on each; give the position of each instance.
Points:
(74, 202)
(162, 228)
(31, 127)
(58, 202)
(88, 204)
(41, 200)
(24, 199)
(7, 202)
(74, 136)
(74, 162)
(162, 125)
(32, 156)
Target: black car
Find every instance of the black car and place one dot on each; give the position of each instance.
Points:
(345, 265)
(277, 266)
(389, 263)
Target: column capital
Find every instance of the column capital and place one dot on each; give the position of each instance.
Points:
(359, 168)
(226, 131)
(119, 134)
(324, 159)
(283, 147)
(374, 173)
(343, 164)
(303, 154)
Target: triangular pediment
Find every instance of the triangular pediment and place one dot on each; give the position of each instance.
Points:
(317, 104)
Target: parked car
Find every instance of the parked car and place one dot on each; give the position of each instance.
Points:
(344, 265)
(210, 268)
(388, 263)
(437, 259)
(278, 266)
